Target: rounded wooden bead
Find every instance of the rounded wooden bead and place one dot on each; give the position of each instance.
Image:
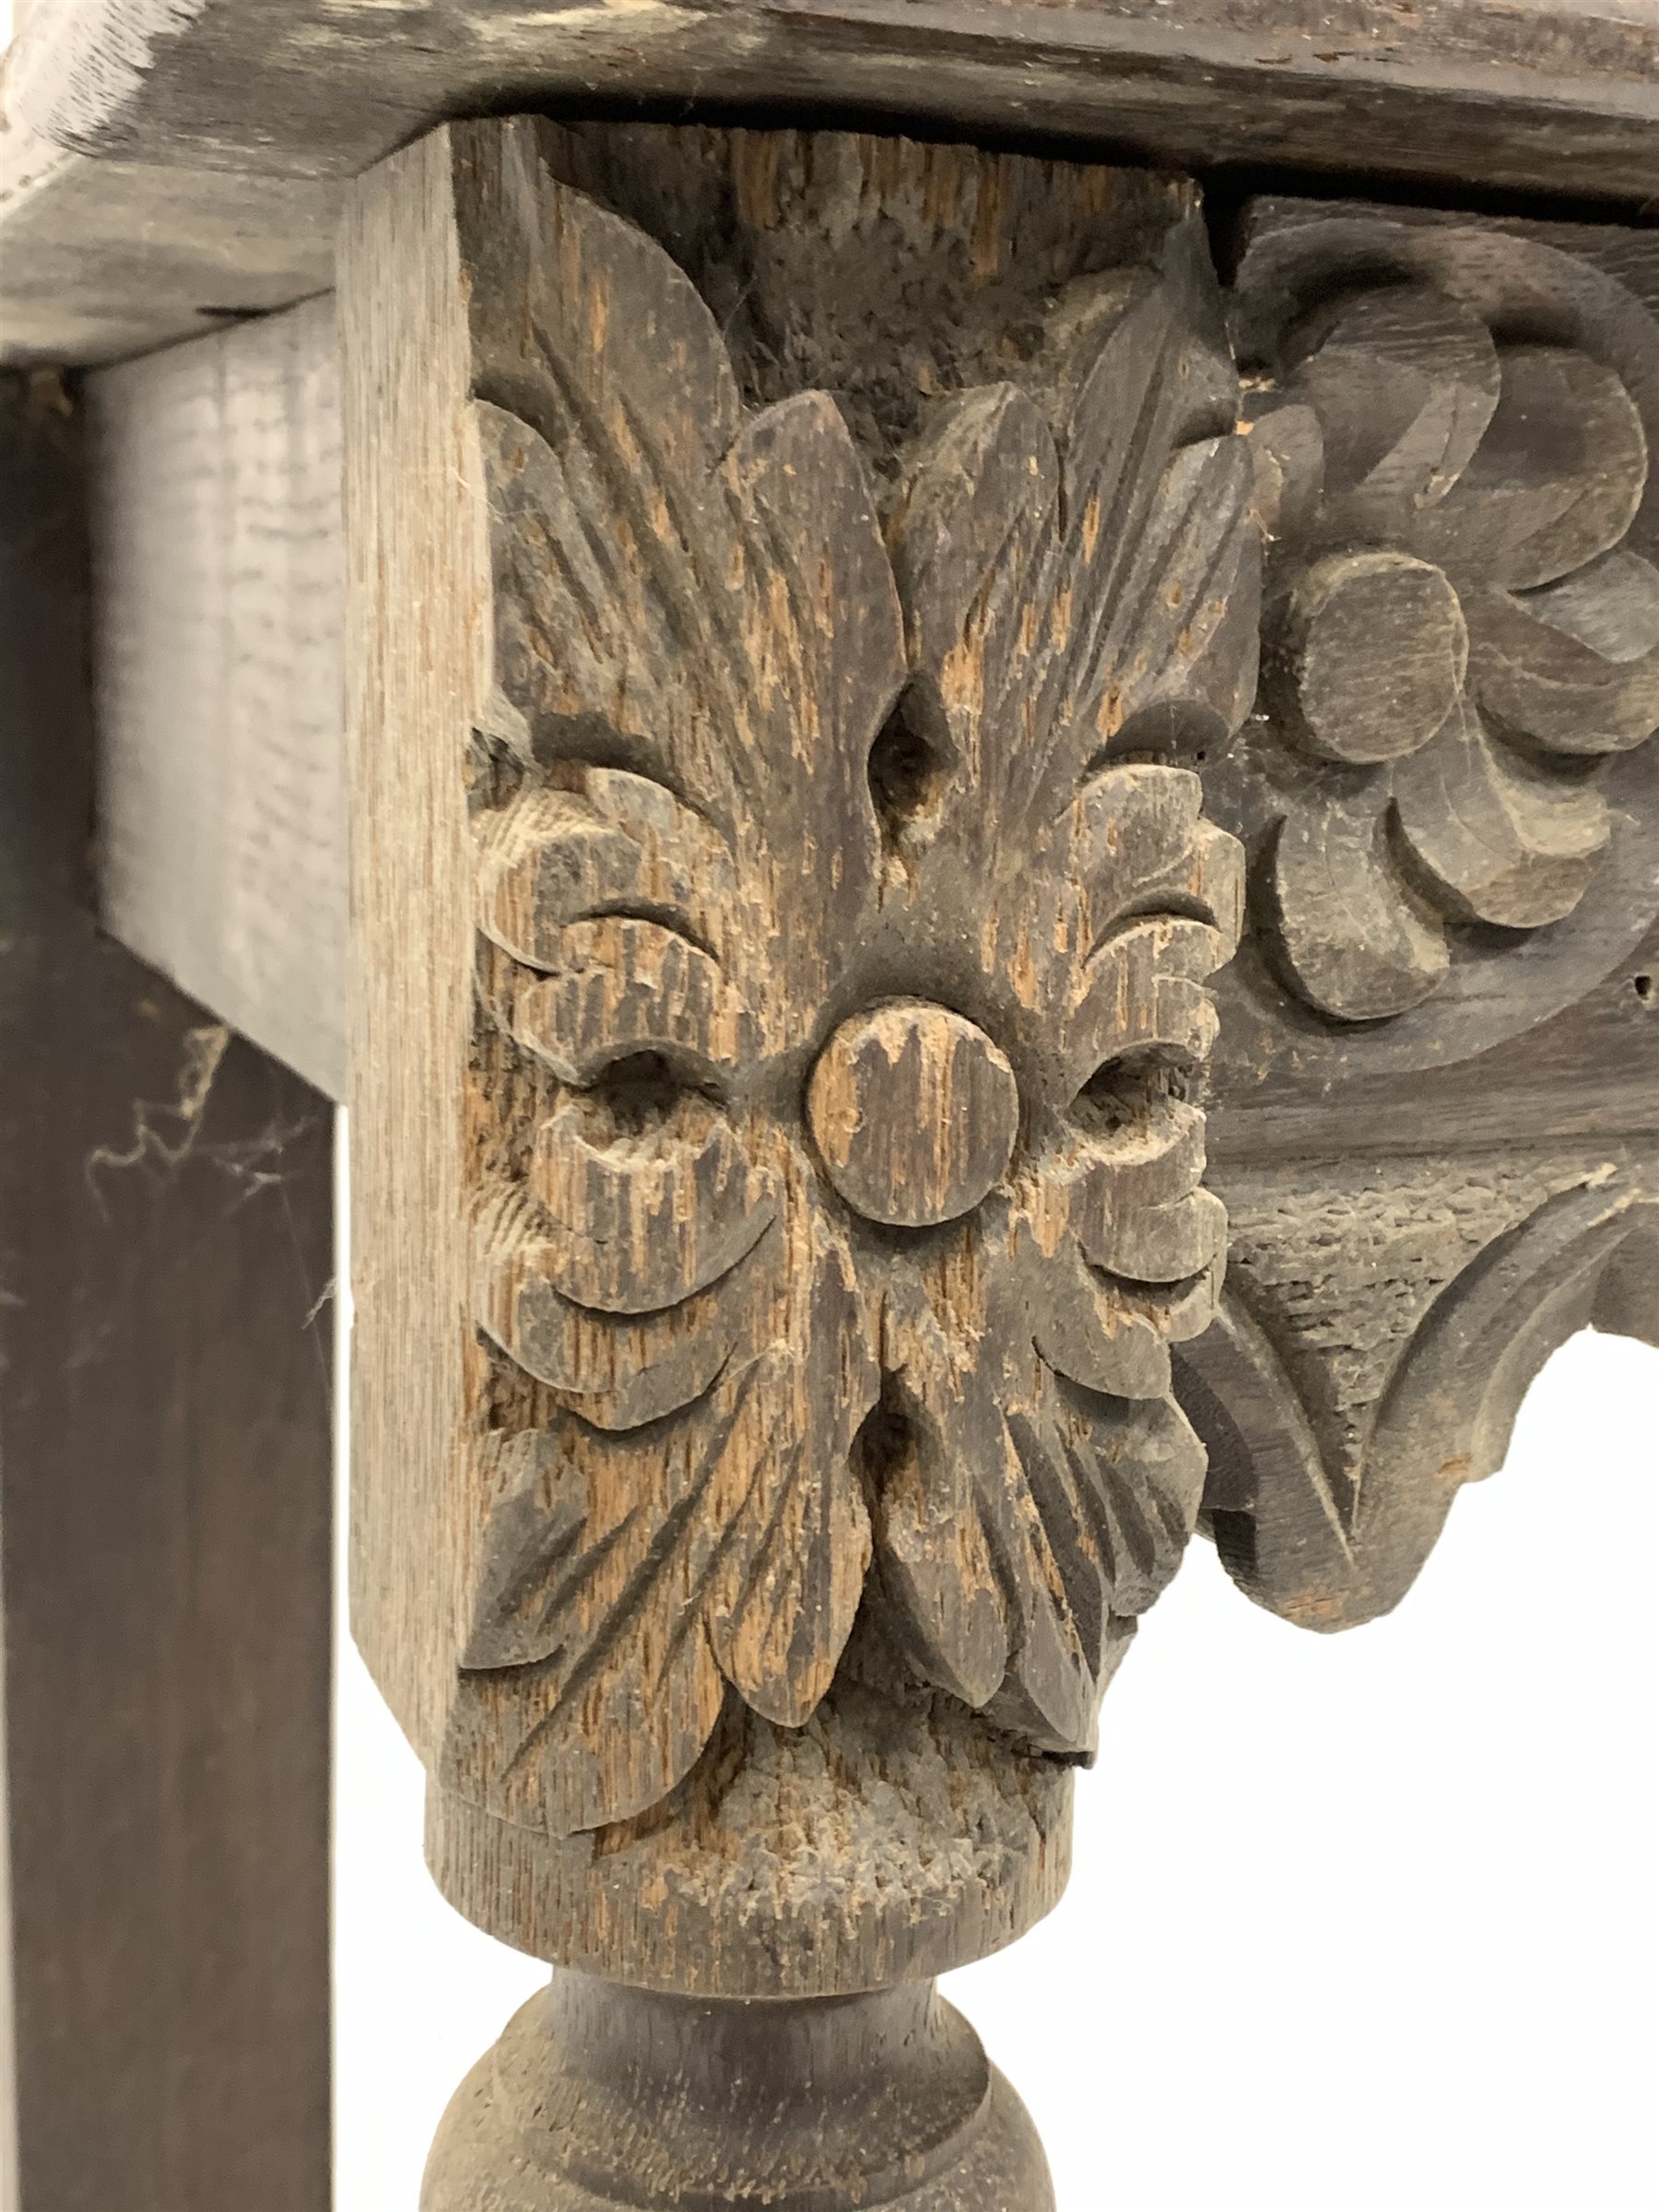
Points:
(1379, 650)
(914, 1113)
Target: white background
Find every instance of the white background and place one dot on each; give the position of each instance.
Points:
(1359, 1924)
(1362, 1924)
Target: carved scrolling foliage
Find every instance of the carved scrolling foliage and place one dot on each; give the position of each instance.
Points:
(1342, 1426)
(1453, 430)
(837, 1187)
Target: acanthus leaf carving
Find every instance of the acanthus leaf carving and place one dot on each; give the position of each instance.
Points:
(837, 1192)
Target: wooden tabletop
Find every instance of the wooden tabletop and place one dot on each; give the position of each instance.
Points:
(221, 130)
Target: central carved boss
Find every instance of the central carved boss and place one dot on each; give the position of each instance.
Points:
(915, 1112)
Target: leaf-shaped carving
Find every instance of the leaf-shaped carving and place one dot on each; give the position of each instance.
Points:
(1452, 447)
(838, 1187)
(1328, 1520)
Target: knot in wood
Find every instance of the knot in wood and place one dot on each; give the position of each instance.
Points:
(914, 1112)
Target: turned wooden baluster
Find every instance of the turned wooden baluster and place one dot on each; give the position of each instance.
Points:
(780, 567)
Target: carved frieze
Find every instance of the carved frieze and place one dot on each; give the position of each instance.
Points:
(1436, 1080)
(1454, 426)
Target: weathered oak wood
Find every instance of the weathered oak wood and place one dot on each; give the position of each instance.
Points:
(185, 105)
(1381, 1326)
(1535, 94)
(219, 580)
(1523, 1035)
(879, 2100)
(1438, 1082)
(165, 1401)
(1467, 409)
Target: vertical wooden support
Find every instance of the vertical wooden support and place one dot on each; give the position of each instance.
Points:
(777, 564)
(165, 1451)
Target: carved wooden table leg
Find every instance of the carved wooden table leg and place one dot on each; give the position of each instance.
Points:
(779, 564)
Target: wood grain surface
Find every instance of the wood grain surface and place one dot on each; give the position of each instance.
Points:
(165, 1416)
(103, 259)
(1536, 95)
(188, 100)
(219, 584)
(609, 2095)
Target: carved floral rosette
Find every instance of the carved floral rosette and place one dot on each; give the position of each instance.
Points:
(1453, 429)
(835, 1161)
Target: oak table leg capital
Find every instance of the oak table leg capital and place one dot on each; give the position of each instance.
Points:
(780, 565)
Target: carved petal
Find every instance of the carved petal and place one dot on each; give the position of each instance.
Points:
(1358, 944)
(934, 1460)
(1047, 623)
(1179, 656)
(591, 1556)
(967, 545)
(1118, 1486)
(636, 1224)
(1139, 843)
(1140, 991)
(583, 634)
(1287, 446)
(1066, 1646)
(821, 633)
(1557, 480)
(617, 844)
(1503, 844)
(536, 1510)
(620, 988)
(1061, 1658)
(794, 1552)
(1115, 1489)
(1371, 658)
(1018, 1519)
(1403, 382)
(622, 1574)
(616, 1371)
(1132, 902)
(1574, 665)
(1136, 1204)
(1147, 597)
(1085, 1327)
(704, 595)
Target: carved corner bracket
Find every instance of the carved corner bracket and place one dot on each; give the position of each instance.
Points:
(1379, 1329)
